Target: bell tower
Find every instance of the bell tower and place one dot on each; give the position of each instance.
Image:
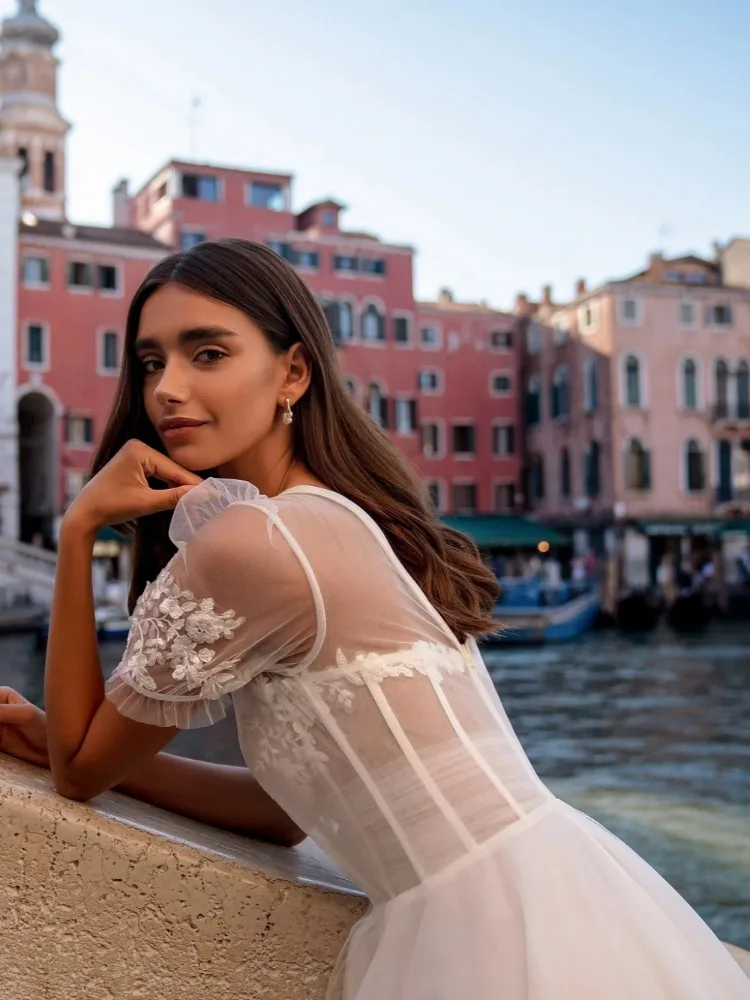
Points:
(31, 126)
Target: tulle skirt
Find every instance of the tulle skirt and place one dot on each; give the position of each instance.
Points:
(553, 908)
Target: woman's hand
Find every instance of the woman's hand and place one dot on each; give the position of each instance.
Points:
(120, 492)
(23, 728)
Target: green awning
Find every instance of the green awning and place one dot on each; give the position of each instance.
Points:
(505, 531)
(676, 527)
(734, 524)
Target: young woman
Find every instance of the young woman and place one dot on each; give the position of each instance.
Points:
(303, 575)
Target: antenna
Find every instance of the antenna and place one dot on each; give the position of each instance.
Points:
(195, 106)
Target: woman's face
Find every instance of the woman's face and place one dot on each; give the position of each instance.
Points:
(212, 384)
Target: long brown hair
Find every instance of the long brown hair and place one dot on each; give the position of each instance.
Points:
(333, 437)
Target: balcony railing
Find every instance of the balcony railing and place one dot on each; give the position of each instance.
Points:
(731, 412)
(728, 494)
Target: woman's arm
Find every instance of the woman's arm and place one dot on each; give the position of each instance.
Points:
(228, 797)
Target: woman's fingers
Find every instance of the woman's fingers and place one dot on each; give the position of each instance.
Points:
(162, 467)
(168, 499)
(17, 715)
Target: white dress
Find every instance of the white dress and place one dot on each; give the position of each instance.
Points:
(383, 737)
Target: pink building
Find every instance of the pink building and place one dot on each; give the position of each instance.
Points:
(649, 375)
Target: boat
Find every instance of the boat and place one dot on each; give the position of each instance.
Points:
(521, 620)
(112, 625)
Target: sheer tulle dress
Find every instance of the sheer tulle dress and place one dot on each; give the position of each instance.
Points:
(383, 737)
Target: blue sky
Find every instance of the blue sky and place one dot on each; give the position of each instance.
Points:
(513, 144)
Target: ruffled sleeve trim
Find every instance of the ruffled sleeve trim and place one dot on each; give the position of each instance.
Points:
(211, 498)
(164, 709)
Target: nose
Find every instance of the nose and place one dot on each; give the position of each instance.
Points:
(172, 386)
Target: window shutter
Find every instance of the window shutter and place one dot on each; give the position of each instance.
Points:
(646, 470)
(384, 412)
(413, 415)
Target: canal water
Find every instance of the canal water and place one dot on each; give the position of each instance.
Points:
(650, 737)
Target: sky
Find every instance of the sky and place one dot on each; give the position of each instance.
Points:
(513, 144)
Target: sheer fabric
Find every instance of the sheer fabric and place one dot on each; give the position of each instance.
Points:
(384, 739)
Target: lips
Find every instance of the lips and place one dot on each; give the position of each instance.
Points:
(179, 424)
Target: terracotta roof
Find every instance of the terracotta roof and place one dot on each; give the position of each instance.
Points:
(116, 235)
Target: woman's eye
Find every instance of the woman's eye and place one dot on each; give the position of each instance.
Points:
(150, 365)
(209, 356)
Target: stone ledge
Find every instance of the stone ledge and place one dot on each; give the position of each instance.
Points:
(120, 900)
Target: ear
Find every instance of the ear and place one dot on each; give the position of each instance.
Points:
(298, 373)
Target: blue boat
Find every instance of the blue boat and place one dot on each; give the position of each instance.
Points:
(522, 616)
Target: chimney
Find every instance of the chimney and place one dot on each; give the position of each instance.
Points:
(121, 205)
(547, 295)
(581, 286)
(655, 264)
(446, 296)
(522, 306)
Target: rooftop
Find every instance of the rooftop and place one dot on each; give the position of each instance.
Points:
(116, 235)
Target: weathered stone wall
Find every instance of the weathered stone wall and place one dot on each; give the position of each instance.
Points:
(119, 901)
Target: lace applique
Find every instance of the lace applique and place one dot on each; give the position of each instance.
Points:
(171, 628)
(283, 716)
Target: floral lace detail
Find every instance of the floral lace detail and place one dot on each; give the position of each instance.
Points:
(283, 715)
(171, 628)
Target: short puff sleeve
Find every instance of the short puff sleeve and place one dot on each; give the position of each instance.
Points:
(236, 600)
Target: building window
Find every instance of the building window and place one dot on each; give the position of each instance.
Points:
(533, 401)
(536, 478)
(346, 320)
(592, 470)
(587, 317)
(190, 238)
(464, 498)
(373, 324)
(435, 494)
(369, 266)
(689, 384)
(504, 497)
(36, 345)
(721, 376)
(49, 172)
(564, 473)
(695, 467)
(629, 311)
(430, 381)
(687, 314)
(464, 439)
(35, 272)
(204, 187)
(560, 393)
(329, 219)
(263, 195)
(351, 386)
(432, 439)
(345, 263)
(80, 274)
(23, 156)
(377, 405)
(637, 466)
(108, 278)
(533, 338)
(401, 330)
(110, 352)
(633, 394)
(501, 340)
(429, 336)
(79, 430)
(501, 383)
(719, 316)
(590, 385)
(742, 384)
(560, 335)
(406, 416)
(503, 440)
(282, 249)
(308, 259)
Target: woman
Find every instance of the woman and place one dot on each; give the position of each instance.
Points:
(303, 575)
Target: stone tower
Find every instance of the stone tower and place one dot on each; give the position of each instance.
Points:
(31, 126)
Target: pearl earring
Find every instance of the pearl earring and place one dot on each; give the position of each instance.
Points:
(287, 416)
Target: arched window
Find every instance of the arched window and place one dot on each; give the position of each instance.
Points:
(592, 470)
(689, 384)
(721, 376)
(560, 393)
(351, 385)
(377, 404)
(742, 381)
(695, 467)
(633, 388)
(533, 401)
(373, 324)
(564, 473)
(590, 385)
(346, 321)
(536, 476)
(637, 466)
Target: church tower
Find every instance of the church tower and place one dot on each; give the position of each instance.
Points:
(31, 126)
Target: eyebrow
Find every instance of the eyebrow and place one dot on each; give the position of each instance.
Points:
(197, 335)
